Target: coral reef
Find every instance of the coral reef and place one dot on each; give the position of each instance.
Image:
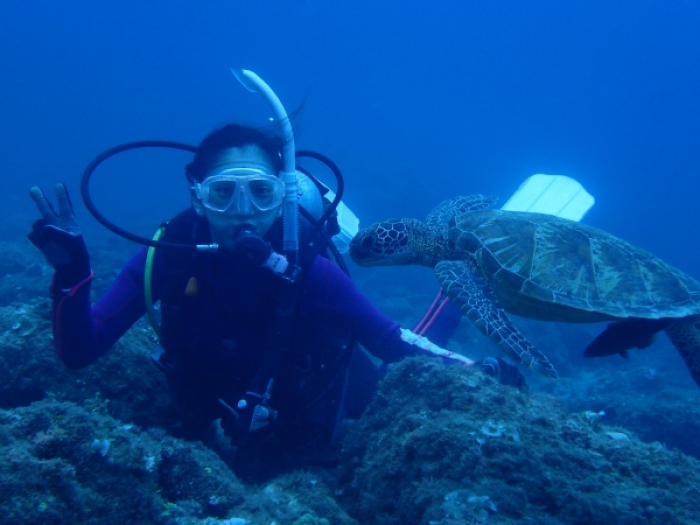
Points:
(447, 445)
(66, 463)
(439, 445)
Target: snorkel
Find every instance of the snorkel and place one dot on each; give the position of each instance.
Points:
(317, 216)
(290, 206)
(301, 197)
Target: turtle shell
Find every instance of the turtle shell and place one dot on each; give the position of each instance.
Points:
(550, 268)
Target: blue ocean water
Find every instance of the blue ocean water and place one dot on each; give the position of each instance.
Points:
(415, 101)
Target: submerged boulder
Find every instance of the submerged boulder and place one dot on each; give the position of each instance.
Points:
(447, 444)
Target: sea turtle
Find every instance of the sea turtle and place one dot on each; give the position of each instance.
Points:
(490, 262)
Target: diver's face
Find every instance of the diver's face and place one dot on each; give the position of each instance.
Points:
(225, 224)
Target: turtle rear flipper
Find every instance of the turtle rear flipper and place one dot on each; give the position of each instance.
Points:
(621, 336)
(685, 335)
(472, 295)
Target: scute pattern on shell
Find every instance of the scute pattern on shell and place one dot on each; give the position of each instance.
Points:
(570, 264)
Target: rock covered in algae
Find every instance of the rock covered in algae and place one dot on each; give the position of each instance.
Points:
(503, 456)
(69, 464)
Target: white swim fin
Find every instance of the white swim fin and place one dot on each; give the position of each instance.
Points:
(557, 195)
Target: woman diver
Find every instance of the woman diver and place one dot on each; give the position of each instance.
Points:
(261, 342)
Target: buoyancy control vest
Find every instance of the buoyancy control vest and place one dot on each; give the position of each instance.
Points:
(224, 334)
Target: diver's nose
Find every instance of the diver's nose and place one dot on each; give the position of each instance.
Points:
(243, 206)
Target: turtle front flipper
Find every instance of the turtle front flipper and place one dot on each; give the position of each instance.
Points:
(685, 335)
(469, 291)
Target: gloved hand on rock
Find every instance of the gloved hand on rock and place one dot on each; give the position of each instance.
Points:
(506, 373)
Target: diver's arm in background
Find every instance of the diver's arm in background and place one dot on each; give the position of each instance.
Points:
(329, 288)
(83, 333)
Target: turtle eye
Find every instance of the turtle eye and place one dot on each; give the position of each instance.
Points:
(367, 241)
(362, 244)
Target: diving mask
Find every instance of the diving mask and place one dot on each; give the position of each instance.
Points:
(244, 189)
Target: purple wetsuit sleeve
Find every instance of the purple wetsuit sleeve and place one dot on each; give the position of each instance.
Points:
(83, 333)
(329, 288)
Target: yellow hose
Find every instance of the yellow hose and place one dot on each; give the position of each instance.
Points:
(148, 283)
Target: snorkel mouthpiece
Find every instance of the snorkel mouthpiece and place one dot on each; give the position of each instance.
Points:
(254, 83)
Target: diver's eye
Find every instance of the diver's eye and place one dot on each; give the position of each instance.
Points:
(224, 193)
(260, 188)
(262, 191)
(221, 191)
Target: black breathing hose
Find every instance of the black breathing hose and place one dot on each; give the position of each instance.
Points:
(85, 191)
(317, 224)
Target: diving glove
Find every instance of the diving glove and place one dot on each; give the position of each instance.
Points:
(58, 237)
(506, 373)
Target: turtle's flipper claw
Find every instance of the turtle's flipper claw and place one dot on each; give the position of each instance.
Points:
(473, 296)
(515, 345)
(540, 364)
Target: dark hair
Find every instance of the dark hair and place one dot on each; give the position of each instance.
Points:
(232, 136)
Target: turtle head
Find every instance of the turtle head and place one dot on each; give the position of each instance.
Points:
(390, 243)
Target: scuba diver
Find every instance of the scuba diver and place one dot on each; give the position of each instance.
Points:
(259, 328)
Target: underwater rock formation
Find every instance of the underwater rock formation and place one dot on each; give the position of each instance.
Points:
(69, 464)
(439, 445)
(447, 445)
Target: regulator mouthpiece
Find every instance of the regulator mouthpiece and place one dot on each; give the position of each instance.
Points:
(248, 246)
